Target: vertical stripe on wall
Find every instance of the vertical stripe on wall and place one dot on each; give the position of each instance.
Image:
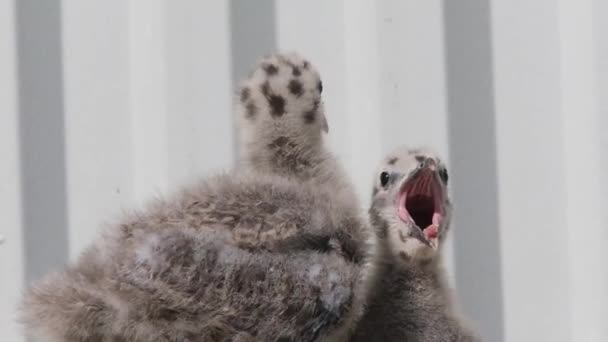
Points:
(473, 163)
(252, 35)
(11, 247)
(41, 135)
(601, 39)
(198, 87)
(580, 116)
(97, 115)
(532, 192)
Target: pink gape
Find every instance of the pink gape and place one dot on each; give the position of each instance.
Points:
(420, 203)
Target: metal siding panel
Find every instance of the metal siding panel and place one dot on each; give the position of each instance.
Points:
(11, 235)
(41, 136)
(200, 123)
(472, 143)
(97, 126)
(531, 171)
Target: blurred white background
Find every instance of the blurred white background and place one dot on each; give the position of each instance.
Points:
(106, 103)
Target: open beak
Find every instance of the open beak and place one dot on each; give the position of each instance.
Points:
(420, 202)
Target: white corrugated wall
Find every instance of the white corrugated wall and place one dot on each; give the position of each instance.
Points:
(104, 104)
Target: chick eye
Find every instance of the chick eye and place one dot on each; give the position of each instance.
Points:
(443, 173)
(384, 178)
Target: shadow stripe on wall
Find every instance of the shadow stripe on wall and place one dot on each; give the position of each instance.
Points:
(253, 35)
(41, 136)
(472, 143)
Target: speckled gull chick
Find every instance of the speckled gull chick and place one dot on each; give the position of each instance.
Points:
(275, 250)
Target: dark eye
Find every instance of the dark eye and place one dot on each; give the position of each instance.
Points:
(443, 173)
(384, 178)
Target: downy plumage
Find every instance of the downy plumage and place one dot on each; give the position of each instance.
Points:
(275, 250)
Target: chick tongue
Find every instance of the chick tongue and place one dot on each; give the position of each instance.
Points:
(431, 231)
